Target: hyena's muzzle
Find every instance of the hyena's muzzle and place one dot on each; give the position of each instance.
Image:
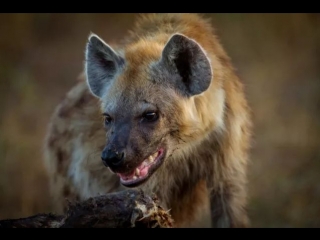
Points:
(114, 153)
(133, 161)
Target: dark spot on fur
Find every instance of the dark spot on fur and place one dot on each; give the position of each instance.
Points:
(66, 135)
(52, 140)
(62, 158)
(64, 109)
(66, 191)
(85, 98)
(227, 107)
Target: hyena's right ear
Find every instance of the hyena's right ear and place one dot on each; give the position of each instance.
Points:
(102, 65)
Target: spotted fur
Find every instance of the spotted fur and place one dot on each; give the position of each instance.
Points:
(207, 126)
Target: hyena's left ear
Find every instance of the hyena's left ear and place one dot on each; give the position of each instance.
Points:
(187, 64)
(102, 65)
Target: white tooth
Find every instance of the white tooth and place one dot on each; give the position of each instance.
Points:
(137, 172)
(150, 158)
(134, 177)
(155, 155)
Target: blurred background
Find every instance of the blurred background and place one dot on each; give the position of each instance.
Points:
(276, 55)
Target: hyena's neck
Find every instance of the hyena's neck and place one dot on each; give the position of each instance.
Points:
(181, 183)
(185, 179)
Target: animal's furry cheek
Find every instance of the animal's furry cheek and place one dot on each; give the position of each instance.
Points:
(174, 144)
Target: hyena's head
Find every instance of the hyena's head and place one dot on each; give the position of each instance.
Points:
(145, 91)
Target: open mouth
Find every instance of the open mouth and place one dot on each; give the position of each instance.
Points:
(143, 171)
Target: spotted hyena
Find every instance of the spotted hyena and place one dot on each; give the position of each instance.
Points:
(165, 112)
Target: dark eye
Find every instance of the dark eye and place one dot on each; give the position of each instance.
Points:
(150, 116)
(107, 119)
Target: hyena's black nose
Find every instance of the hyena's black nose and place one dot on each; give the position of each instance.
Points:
(112, 158)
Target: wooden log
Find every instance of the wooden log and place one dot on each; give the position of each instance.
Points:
(125, 209)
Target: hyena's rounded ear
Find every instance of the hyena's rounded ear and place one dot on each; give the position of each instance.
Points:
(186, 62)
(102, 64)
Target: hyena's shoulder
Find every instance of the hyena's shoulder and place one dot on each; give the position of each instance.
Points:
(74, 135)
(77, 107)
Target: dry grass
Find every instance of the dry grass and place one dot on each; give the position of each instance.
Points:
(277, 56)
